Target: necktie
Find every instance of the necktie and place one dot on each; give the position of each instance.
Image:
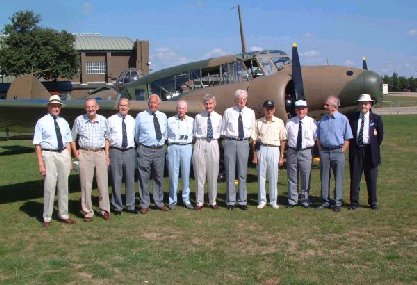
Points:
(157, 127)
(209, 128)
(300, 136)
(360, 135)
(240, 126)
(58, 135)
(124, 133)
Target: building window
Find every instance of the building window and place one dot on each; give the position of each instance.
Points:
(96, 68)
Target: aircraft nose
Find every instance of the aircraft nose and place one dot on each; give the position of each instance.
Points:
(372, 84)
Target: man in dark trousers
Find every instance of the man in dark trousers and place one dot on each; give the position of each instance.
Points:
(364, 153)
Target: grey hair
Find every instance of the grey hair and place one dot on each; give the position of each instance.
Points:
(154, 95)
(209, 97)
(182, 101)
(241, 92)
(335, 100)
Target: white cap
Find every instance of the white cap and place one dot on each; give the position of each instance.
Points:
(365, 98)
(300, 103)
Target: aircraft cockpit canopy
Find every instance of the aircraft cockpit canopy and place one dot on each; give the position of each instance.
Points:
(267, 62)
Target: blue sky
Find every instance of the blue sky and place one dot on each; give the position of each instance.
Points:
(338, 32)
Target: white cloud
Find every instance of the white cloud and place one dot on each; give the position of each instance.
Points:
(256, 48)
(88, 8)
(214, 53)
(308, 35)
(166, 57)
(412, 32)
(310, 53)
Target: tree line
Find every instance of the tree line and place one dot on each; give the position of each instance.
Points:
(400, 83)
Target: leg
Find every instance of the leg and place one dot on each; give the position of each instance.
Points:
(338, 161)
(102, 177)
(292, 172)
(64, 166)
(261, 170)
(242, 156)
(273, 172)
(144, 168)
(356, 169)
(212, 158)
(174, 158)
(304, 163)
(230, 164)
(129, 158)
(116, 166)
(49, 185)
(158, 177)
(325, 176)
(86, 164)
(186, 153)
(199, 162)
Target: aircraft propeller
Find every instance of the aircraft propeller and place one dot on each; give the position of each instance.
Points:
(364, 65)
(297, 80)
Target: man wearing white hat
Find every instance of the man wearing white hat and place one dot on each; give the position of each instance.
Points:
(364, 152)
(52, 146)
(301, 135)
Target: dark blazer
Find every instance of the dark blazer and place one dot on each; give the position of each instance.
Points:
(376, 135)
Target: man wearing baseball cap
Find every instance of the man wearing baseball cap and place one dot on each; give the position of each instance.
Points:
(269, 144)
(364, 152)
(52, 146)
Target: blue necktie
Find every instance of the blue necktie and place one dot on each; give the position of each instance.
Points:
(58, 135)
(157, 127)
(209, 129)
(124, 133)
(240, 126)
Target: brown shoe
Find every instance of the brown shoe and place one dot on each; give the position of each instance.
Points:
(88, 219)
(198, 208)
(105, 215)
(214, 207)
(68, 221)
(46, 224)
(164, 208)
(144, 210)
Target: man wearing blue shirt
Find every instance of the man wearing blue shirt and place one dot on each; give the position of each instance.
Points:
(151, 133)
(333, 135)
(52, 146)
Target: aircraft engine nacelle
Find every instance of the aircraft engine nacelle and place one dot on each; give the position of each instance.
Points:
(279, 88)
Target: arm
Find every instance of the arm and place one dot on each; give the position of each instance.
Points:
(75, 150)
(106, 151)
(345, 145)
(41, 165)
(282, 151)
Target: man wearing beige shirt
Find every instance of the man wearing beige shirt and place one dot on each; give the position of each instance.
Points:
(269, 144)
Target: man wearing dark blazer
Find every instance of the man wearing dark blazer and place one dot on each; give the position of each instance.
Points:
(364, 152)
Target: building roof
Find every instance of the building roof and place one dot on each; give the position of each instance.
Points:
(98, 42)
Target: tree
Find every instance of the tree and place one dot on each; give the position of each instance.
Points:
(394, 80)
(30, 49)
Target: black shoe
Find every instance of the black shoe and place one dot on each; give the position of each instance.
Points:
(290, 206)
(134, 211)
(305, 205)
(336, 209)
(352, 207)
(244, 207)
(230, 207)
(323, 206)
(117, 213)
(375, 207)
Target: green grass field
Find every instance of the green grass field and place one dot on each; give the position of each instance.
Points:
(285, 246)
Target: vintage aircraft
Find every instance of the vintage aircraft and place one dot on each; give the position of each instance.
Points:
(267, 75)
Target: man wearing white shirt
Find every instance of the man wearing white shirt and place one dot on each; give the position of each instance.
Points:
(207, 126)
(52, 146)
(301, 135)
(237, 125)
(179, 151)
(122, 157)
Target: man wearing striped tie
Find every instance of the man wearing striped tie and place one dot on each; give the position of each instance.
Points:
(364, 152)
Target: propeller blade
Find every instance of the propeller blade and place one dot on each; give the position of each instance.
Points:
(364, 65)
(296, 74)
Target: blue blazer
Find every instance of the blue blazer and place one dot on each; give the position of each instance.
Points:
(376, 135)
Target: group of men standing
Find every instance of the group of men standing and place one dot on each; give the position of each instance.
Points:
(126, 144)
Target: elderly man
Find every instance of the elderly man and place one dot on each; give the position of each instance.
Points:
(206, 152)
(237, 125)
(302, 135)
(151, 132)
(180, 149)
(91, 130)
(122, 157)
(364, 152)
(52, 146)
(269, 144)
(333, 135)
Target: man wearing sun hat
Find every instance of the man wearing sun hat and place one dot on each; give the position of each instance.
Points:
(364, 152)
(52, 146)
(268, 138)
(301, 135)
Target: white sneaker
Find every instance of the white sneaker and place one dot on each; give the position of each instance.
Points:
(275, 206)
(261, 206)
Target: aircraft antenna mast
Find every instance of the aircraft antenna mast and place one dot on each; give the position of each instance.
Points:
(242, 34)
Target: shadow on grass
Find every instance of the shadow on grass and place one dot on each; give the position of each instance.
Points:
(31, 190)
(16, 149)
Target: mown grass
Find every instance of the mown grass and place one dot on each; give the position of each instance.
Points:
(286, 246)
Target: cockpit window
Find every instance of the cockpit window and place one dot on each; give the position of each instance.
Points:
(280, 62)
